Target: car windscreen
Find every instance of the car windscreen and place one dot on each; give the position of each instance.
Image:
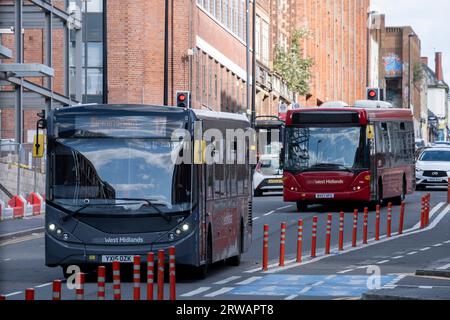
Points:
(435, 156)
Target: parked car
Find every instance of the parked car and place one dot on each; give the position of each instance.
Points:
(268, 175)
(433, 167)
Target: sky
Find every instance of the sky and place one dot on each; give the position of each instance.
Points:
(430, 19)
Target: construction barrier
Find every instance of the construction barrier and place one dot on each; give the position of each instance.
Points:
(314, 237)
(6, 212)
(101, 279)
(299, 240)
(282, 244)
(172, 276)
(37, 202)
(116, 281)
(389, 221)
(265, 258)
(366, 225)
(328, 235)
(377, 223)
(79, 291)
(402, 218)
(355, 228)
(341, 231)
(160, 274)
(29, 294)
(150, 274)
(137, 277)
(17, 203)
(56, 289)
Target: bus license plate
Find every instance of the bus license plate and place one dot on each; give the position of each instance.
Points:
(324, 196)
(123, 259)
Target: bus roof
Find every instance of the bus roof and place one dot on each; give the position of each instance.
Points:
(201, 114)
(365, 114)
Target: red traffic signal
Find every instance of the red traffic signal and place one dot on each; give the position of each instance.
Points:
(374, 94)
(183, 98)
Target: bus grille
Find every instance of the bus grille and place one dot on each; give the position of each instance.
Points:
(435, 174)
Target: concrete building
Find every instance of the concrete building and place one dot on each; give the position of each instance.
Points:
(437, 100)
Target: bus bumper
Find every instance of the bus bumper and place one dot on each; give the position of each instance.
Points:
(60, 253)
(362, 195)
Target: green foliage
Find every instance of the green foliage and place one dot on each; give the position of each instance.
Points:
(293, 68)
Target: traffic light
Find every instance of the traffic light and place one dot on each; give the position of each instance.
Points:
(375, 94)
(183, 99)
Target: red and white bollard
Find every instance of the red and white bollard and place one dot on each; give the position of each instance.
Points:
(116, 281)
(427, 209)
(56, 290)
(366, 225)
(150, 274)
(341, 231)
(137, 277)
(101, 280)
(389, 221)
(402, 218)
(29, 294)
(282, 244)
(328, 235)
(355, 228)
(79, 291)
(299, 240)
(266, 248)
(314, 237)
(377, 223)
(160, 274)
(172, 277)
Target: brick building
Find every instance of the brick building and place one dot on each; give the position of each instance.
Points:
(396, 66)
(123, 53)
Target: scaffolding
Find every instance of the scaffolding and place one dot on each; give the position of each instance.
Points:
(19, 15)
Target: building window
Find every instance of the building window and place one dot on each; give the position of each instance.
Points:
(92, 53)
(230, 13)
(265, 42)
(258, 37)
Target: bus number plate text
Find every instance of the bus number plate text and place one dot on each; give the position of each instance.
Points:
(113, 258)
(324, 196)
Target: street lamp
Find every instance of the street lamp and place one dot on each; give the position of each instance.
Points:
(409, 68)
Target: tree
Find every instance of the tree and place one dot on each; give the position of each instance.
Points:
(290, 64)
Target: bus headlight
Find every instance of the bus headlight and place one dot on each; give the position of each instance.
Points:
(52, 227)
(185, 227)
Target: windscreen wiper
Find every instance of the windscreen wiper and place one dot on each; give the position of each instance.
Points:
(151, 204)
(86, 205)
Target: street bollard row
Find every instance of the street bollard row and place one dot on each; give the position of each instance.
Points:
(354, 242)
(117, 295)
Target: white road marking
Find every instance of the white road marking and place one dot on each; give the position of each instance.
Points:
(13, 294)
(432, 212)
(425, 287)
(249, 280)
(254, 219)
(345, 271)
(398, 257)
(411, 253)
(348, 248)
(331, 277)
(6, 260)
(318, 283)
(383, 262)
(269, 213)
(305, 290)
(195, 292)
(22, 239)
(285, 207)
(445, 267)
(447, 242)
(438, 245)
(425, 249)
(218, 292)
(44, 285)
(225, 281)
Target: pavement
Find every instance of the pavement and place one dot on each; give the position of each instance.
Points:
(21, 227)
(385, 269)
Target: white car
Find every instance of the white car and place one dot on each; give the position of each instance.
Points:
(433, 167)
(268, 175)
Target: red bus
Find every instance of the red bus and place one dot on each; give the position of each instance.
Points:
(348, 154)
